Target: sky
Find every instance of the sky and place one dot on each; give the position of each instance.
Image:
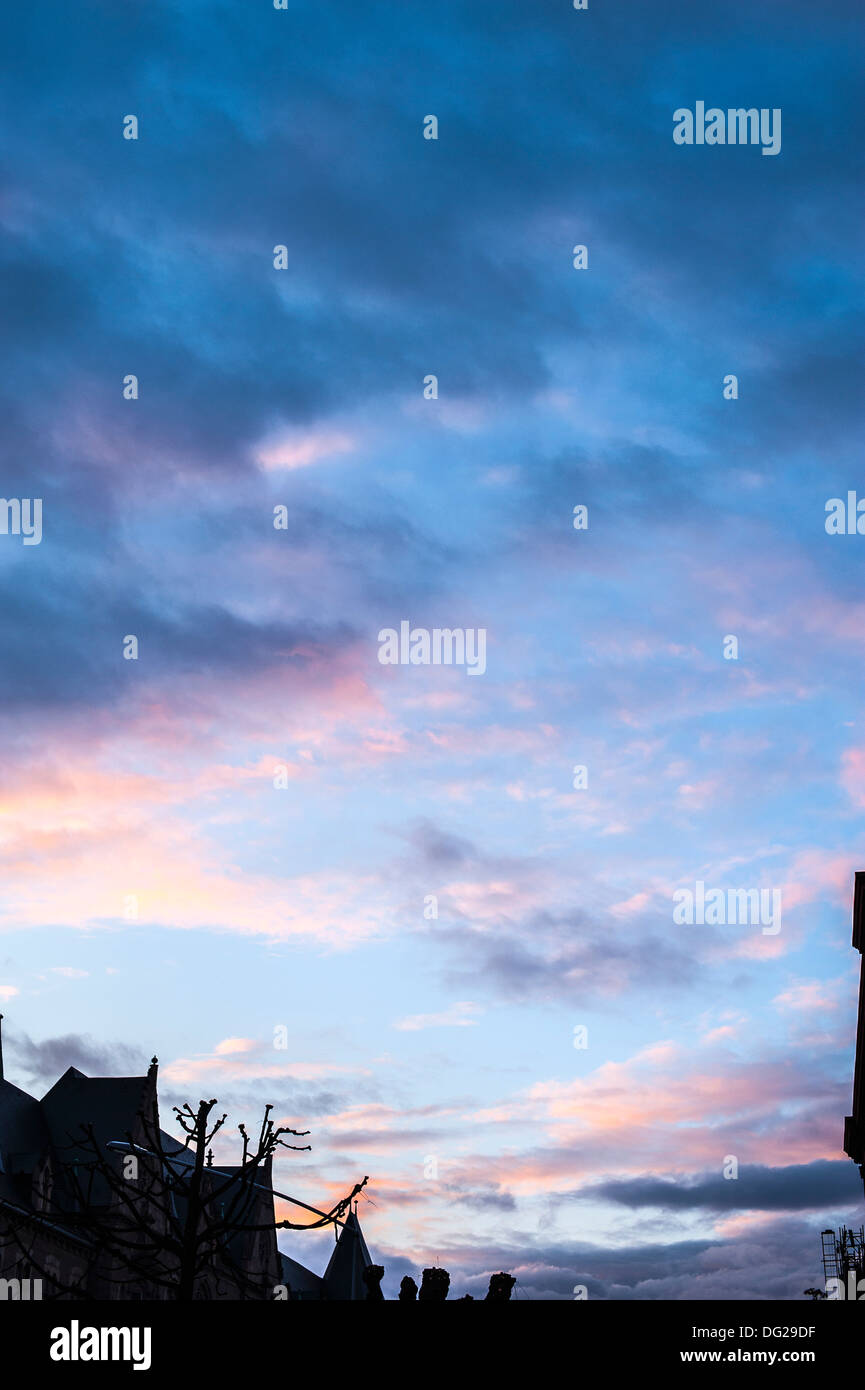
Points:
(256, 833)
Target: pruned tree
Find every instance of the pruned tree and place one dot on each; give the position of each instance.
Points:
(500, 1288)
(434, 1285)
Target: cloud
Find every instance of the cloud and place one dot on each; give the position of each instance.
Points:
(562, 957)
(810, 996)
(46, 1061)
(292, 449)
(775, 1261)
(798, 1187)
(230, 1046)
(459, 1015)
(237, 1066)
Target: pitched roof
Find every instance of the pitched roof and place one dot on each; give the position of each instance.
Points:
(23, 1134)
(110, 1103)
(300, 1280)
(343, 1278)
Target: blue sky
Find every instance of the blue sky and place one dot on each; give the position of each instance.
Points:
(449, 1039)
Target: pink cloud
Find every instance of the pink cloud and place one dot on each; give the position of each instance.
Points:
(853, 775)
(292, 449)
(808, 996)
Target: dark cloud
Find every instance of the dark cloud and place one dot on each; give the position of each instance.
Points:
(567, 958)
(46, 1061)
(439, 849)
(69, 649)
(799, 1187)
(778, 1260)
(289, 142)
(486, 1201)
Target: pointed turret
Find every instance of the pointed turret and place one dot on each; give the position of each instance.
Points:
(343, 1278)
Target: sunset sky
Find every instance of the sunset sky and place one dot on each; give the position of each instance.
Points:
(160, 894)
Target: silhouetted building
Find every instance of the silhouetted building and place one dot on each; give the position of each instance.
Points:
(43, 1235)
(854, 1125)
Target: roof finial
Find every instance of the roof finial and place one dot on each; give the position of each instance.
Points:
(1, 1047)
